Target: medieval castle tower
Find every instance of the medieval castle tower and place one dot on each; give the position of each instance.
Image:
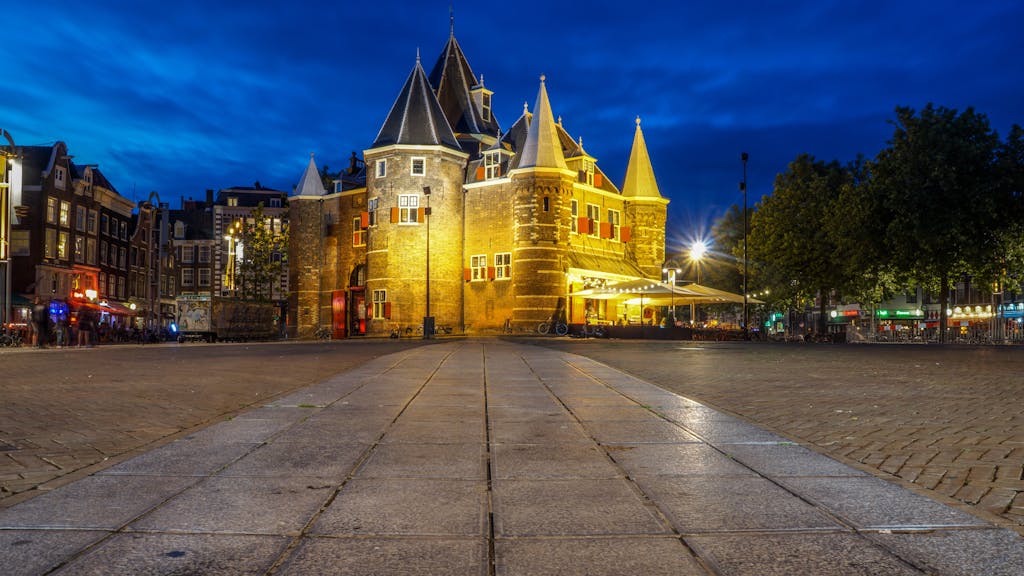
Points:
(451, 218)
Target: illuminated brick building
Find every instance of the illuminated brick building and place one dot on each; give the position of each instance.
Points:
(517, 219)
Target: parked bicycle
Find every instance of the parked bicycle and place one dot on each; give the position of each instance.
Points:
(323, 334)
(11, 339)
(558, 327)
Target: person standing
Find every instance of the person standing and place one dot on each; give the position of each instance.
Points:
(85, 327)
(40, 323)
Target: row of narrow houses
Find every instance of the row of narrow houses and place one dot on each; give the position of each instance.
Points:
(452, 221)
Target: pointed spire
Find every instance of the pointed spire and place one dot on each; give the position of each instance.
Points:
(640, 181)
(416, 116)
(310, 183)
(451, 18)
(454, 82)
(542, 148)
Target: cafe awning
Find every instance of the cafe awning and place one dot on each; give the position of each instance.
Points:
(641, 290)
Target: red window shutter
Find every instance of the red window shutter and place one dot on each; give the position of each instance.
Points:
(625, 233)
(479, 172)
(583, 225)
(387, 310)
(606, 229)
(490, 273)
(364, 220)
(394, 214)
(369, 311)
(467, 274)
(421, 214)
(598, 180)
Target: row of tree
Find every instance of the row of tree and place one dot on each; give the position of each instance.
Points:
(941, 203)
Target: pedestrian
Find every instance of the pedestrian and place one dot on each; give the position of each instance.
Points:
(85, 327)
(40, 323)
(62, 331)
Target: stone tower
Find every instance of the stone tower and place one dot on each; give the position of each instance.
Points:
(306, 254)
(645, 208)
(415, 171)
(541, 187)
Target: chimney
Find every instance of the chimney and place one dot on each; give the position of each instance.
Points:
(209, 197)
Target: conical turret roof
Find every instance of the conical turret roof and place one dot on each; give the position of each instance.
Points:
(310, 184)
(416, 117)
(542, 149)
(453, 81)
(640, 181)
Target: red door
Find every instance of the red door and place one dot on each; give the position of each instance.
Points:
(338, 314)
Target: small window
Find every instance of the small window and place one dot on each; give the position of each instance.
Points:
(503, 266)
(419, 166)
(122, 260)
(614, 217)
(358, 233)
(90, 224)
(58, 178)
(204, 277)
(204, 254)
(103, 251)
(594, 214)
(187, 255)
(547, 204)
(103, 284)
(371, 206)
(408, 205)
(65, 214)
(79, 248)
(179, 230)
(275, 202)
(50, 250)
(337, 186)
(478, 266)
(80, 213)
(486, 107)
(492, 165)
(188, 277)
(120, 287)
(588, 172)
(91, 251)
(232, 200)
(380, 299)
(574, 207)
(124, 230)
(382, 168)
(105, 224)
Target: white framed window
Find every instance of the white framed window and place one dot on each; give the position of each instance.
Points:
(188, 277)
(614, 218)
(80, 213)
(65, 214)
(574, 207)
(594, 214)
(51, 210)
(503, 265)
(103, 251)
(419, 166)
(204, 276)
(275, 202)
(79, 248)
(124, 230)
(58, 178)
(380, 299)
(408, 205)
(204, 254)
(120, 287)
(371, 206)
(179, 229)
(90, 251)
(492, 165)
(485, 102)
(90, 224)
(187, 255)
(382, 168)
(105, 224)
(103, 284)
(232, 200)
(588, 172)
(478, 267)
(358, 234)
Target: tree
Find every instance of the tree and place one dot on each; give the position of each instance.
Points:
(264, 253)
(790, 247)
(939, 185)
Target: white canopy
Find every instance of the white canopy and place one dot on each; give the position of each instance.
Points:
(644, 291)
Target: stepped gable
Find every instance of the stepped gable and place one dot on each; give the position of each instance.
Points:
(416, 117)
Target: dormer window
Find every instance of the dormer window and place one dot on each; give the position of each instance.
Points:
(587, 172)
(179, 230)
(492, 165)
(59, 177)
(275, 202)
(232, 200)
(485, 107)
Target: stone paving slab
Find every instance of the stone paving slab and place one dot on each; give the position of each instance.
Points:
(593, 472)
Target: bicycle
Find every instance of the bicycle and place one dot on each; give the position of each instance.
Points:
(323, 334)
(560, 328)
(12, 339)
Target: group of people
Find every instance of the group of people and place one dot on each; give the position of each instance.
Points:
(50, 329)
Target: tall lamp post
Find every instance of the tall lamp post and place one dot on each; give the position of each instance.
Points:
(428, 320)
(671, 273)
(743, 186)
(697, 251)
(9, 194)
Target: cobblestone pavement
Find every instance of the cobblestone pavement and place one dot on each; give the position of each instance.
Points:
(948, 419)
(67, 412)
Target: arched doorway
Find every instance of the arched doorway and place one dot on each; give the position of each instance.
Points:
(356, 320)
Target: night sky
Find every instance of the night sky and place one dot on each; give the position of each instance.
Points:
(179, 97)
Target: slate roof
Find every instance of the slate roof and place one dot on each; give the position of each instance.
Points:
(452, 80)
(543, 146)
(34, 161)
(416, 118)
(198, 223)
(310, 183)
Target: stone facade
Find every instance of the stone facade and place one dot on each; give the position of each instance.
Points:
(518, 221)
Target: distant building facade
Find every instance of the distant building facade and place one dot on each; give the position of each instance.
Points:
(452, 218)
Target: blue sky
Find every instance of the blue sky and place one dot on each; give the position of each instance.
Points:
(181, 97)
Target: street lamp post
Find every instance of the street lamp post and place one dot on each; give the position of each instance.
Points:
(743, 186)
(428, 320)
(697, 251)
(670, 277)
